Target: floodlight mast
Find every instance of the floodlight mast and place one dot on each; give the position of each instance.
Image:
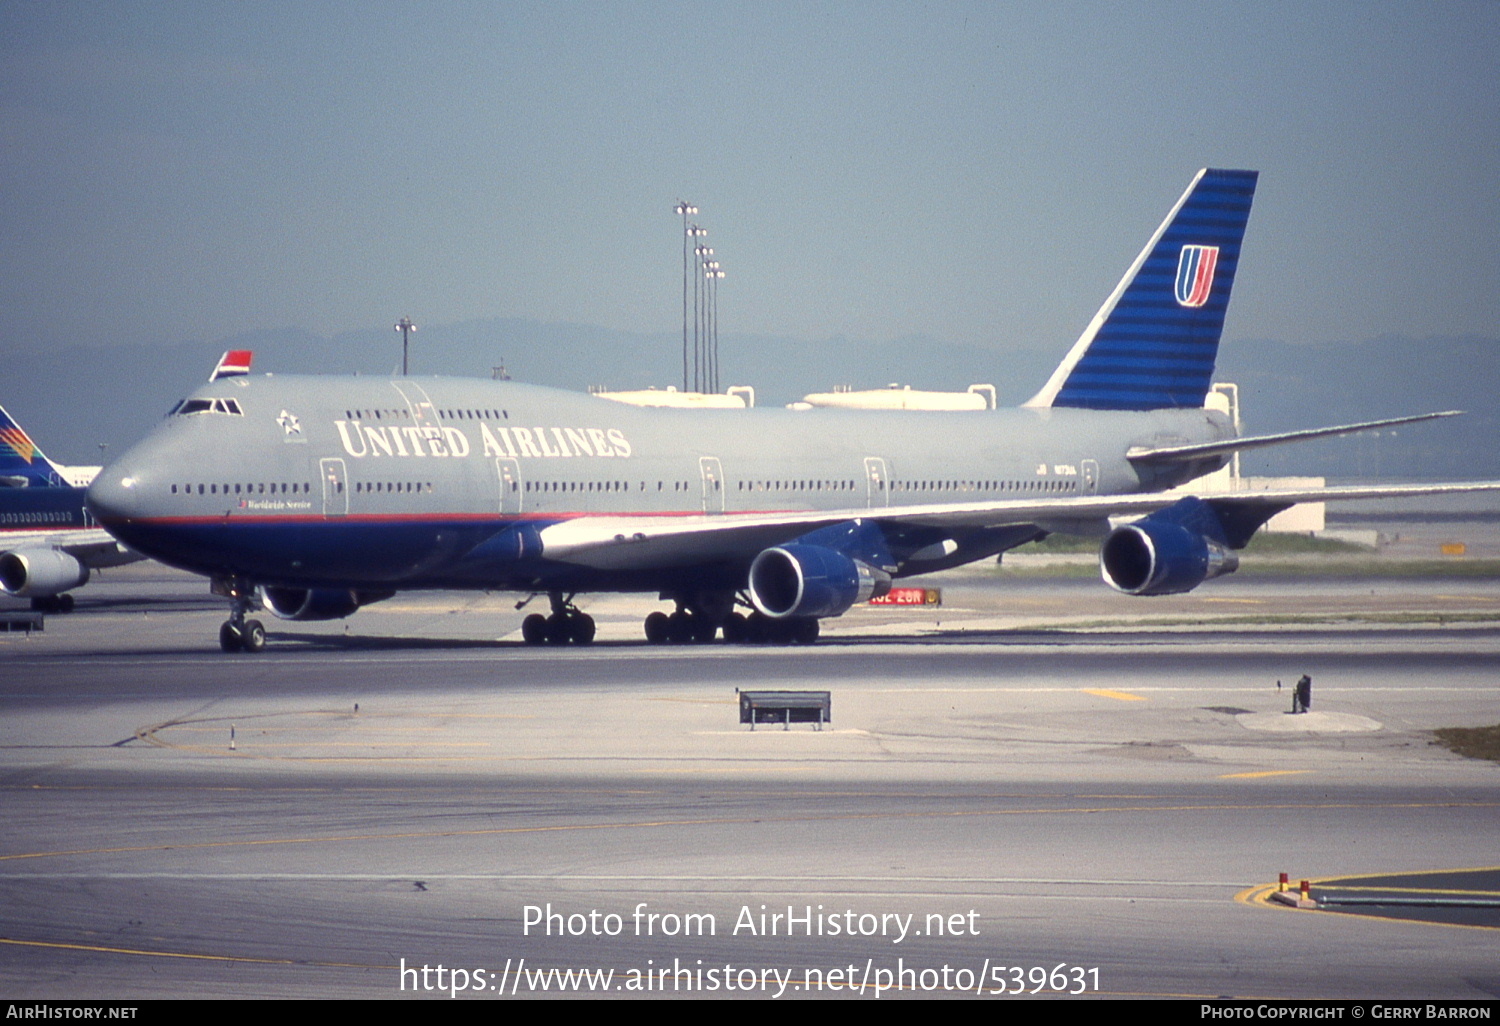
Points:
(406, 327)
(684, 210)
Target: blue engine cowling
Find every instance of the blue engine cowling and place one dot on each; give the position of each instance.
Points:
(40, 572)
(1169, 552)
(317, 603)
(810, 580)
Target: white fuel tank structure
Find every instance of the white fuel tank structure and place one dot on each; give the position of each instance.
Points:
(900, 397)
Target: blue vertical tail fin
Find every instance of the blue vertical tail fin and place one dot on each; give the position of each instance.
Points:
(1153, 343)
(22, 463)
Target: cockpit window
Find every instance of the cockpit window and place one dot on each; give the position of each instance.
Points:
(191, 406)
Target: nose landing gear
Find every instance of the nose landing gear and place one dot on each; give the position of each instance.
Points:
(238, 634)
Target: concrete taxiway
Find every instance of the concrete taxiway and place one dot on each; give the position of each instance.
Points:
(1038, 784)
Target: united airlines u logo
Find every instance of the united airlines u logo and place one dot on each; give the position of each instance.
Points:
(1195, 274)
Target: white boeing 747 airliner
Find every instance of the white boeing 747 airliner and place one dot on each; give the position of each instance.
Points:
(313, 496)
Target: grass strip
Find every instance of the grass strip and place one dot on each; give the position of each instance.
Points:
(1473, 742)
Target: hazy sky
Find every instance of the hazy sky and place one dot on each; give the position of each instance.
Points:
(979, 173)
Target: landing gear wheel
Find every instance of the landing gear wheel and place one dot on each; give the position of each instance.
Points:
(253, 637)
(658, 628)
(759, 628)
(558, 629)
(704, 628)
(680, 628)
(805, 630)
(779, 632)
(581, 629)
(534, 629)
(230, 639)
(736, 628)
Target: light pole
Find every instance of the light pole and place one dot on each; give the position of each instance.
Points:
(700, 311)
(684, 209)
(696, 232)
(708, 325)
(718, 276)
(710, 272)
(406, 327)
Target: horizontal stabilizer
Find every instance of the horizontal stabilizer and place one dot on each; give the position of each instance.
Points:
(1188, 453)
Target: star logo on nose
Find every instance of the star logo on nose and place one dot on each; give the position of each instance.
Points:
(289, 423)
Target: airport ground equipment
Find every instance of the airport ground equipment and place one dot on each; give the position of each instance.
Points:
(786, 708)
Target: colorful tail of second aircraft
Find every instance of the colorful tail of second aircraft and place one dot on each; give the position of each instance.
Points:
(22, 463)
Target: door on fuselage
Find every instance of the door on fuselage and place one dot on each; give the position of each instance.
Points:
(1090, 476)
(335, 487)
(713, 484)
(877, 484)
(508, 472)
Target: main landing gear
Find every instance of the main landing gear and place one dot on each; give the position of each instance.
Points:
(567, 624)
(238, 634)
(760, 629)
(699, 619)
(52, 604)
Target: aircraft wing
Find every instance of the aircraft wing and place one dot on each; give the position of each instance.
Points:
(620, 542)
(93, 546)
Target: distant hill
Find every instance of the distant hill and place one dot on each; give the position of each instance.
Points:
(72, 400)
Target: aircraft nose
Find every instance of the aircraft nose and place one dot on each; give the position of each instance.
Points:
(115, 494)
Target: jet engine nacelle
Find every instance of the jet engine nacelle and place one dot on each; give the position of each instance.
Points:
(1159, 556)
(810, 580)
(316, 603)
(40, 572)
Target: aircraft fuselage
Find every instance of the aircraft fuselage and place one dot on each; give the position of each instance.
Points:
(426, 483)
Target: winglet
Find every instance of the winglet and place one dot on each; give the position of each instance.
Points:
(1153, 343)
(235, 363)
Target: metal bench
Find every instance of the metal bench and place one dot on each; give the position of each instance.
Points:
(21, 621)
(786, 708)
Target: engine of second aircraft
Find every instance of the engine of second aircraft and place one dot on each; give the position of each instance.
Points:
(40, 572)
